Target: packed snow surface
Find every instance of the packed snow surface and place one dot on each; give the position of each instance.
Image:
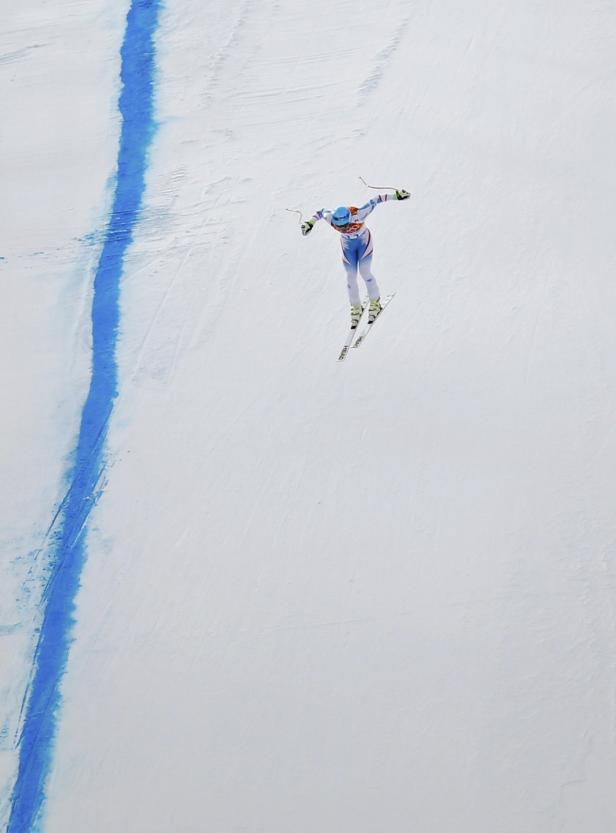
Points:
(318, 597)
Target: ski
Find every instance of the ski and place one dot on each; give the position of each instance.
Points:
(352, 334)
(364, 333)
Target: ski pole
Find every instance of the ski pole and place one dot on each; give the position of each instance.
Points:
(296, 211)
(378, 187)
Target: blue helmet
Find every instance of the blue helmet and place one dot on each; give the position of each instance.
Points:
(341, 216)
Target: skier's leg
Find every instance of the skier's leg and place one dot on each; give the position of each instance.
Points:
(349, 261)
(356, 307)
(365, 270)
(352, 287)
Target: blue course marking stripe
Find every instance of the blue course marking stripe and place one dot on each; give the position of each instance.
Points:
(68, 549)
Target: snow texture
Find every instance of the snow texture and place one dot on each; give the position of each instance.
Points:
(376, 595)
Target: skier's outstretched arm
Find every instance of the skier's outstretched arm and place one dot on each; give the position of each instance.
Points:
(322, 214)
(368, 208)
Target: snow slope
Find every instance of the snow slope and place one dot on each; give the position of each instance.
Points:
(368, 596)
(57, 143)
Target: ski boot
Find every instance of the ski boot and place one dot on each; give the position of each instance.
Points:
(374, 309)
(356, 313)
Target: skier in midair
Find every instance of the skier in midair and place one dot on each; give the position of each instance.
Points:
(356, 241)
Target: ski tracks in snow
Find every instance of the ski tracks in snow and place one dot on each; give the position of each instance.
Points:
(383, 60)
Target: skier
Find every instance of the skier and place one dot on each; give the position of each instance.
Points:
(356, 241)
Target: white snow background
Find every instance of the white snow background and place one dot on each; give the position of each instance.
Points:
(321, 597)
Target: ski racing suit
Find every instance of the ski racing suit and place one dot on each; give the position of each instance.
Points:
(356, 242)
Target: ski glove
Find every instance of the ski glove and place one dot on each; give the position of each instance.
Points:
(307, 226)
(402, 194)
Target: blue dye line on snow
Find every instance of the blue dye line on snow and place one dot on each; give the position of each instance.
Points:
(68, 550)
